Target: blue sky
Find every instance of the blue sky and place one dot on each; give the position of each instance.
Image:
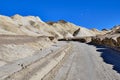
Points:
(88, 13)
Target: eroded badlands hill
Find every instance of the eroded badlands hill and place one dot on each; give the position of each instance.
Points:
(23, 36)
(34, 26)
(30, 50)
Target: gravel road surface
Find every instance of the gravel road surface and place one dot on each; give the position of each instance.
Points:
(88, 62)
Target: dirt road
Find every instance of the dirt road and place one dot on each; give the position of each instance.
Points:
(88, 62)
(84, 62)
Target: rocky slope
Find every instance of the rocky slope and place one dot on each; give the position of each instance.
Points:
(23, 36)
(34, 26)
(111, 39)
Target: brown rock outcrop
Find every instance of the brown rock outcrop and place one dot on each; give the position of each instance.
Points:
(111, 39)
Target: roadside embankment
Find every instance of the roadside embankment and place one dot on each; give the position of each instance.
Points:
(44, 61)
(15, 47)
(112, 41)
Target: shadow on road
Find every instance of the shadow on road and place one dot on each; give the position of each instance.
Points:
(110, 56)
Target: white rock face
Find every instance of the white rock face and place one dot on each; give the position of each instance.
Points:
(85, 32)
(30, 25)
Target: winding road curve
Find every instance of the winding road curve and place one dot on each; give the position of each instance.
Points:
(84, 62)
(88, 62)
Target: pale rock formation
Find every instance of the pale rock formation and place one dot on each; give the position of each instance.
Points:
(27, 31)
(34, 26)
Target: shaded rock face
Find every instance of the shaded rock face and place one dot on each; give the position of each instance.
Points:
(62, 21)
(50, 23)
(112, 39)
(76, 32)
(79, 39)
(96, 40)
(111, 42)
(118, 42)
(104, 30)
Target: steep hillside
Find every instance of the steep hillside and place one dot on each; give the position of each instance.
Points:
(23, 36)
(34, 26)
(30, 34)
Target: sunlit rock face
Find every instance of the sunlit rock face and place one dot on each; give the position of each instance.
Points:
(34, 26)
